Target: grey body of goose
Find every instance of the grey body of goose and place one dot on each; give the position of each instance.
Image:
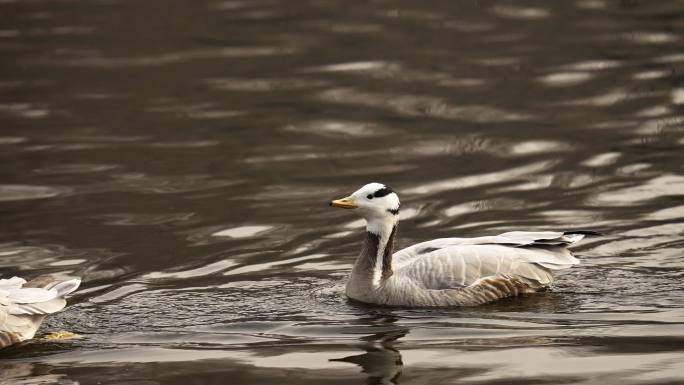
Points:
(448, 271)
(24, 305)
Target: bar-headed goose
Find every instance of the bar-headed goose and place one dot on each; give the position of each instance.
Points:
(23, 306)
(448, 271)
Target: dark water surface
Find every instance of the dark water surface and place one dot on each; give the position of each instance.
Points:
(179, 155)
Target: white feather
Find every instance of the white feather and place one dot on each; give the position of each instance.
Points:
(12, 283)
(22, 309)
(30, 295)
(66, 287)
(47, 307)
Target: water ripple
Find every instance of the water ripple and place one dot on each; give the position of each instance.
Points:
(479, 180)
(15, 192)
(414, 105)
(93, 60)
(184, 153)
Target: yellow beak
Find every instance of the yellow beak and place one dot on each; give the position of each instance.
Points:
(345, 203)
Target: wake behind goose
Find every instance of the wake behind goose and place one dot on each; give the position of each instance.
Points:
(448, 271)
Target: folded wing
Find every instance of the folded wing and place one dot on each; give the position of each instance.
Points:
(460, 262)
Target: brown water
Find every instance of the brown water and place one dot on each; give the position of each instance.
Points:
(179, 156)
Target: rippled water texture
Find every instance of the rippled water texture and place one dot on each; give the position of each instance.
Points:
(179, 155)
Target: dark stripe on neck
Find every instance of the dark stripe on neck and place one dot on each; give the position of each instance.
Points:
(371, 247)
(393, 211)
(387, 255)
(382, 192)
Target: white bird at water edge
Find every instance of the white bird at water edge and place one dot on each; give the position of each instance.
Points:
(24, 306)
(448, 271)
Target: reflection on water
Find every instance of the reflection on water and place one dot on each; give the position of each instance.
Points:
(29, 374)
(381, 361)
(179, 156)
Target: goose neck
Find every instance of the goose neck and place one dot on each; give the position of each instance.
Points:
(379, 249)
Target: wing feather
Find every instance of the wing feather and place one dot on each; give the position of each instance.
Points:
(458, 262)
(66, 287)
(47, 307)
(523, 239)
(30, 295)
(11, 283)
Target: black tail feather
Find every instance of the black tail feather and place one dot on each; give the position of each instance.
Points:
(584, 232)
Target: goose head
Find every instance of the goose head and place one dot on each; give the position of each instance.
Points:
(375, 202)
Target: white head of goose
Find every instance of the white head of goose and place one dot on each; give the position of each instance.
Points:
(448, 271)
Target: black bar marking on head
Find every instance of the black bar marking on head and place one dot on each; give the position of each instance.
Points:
(382, 192)
(393, 211)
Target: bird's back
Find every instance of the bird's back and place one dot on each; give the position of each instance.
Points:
(468, 271)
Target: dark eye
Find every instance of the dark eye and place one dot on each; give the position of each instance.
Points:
(369, 196)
